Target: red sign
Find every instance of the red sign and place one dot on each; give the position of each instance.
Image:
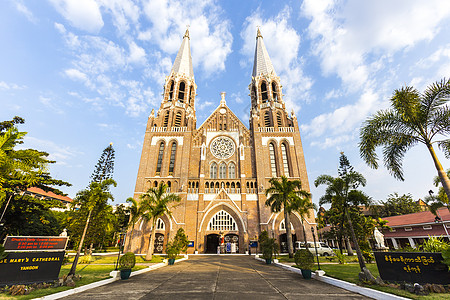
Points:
(27, 243)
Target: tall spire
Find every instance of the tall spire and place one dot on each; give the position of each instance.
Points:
(183, 61)
(262, 64)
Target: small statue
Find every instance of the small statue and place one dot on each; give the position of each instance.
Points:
(379, 237)
(64, 233)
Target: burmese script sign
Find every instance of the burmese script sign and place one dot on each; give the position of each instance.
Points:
(412, 267)
(40, 243)
(29, 267)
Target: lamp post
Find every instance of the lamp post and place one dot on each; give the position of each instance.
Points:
(315, 246)
(438, 218)
(120, 248)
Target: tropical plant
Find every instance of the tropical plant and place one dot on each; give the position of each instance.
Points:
(340, 256)
(434, 244)
(446, 256)
(127, 261)
(135, 215)
(286, 195)
(172, 250)
(396, 205)
(90, 198)
(155, 203)
(341, 192)
(413, 118)
(181, 240)
(3, 253)
(304, 259)
(303, 206)
(269, 248)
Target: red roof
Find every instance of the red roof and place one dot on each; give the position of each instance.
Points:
(41, 192)
(417, 218)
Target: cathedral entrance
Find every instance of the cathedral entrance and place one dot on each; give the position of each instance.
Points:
(159, 243)
(231, 243)
(283, 242)
(212, 242)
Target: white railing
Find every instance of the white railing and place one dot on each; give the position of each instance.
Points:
(159, 129)
(179, 104)
(264, 105)
(252, 191)
(272, 129)
(168, 104)
(266, 129)
(278, 105)
(286, 129)
(178, 129)
(192, 191)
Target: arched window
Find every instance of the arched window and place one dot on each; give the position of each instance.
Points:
(264, 91)
(160, 224)
(169, 186)
(274, 91)
(283, 225)
(181, 89)
(273, 163)
(177, 120)
(171, 91)
(191, 95)
(160, 158)
(254, 95)
(285, 159)
(155, 184)
(267, 119)
(279, 120)
(166, 119)
(222, 221)
(173, 151)
(223, 171)
(232, 170)
(213, 171)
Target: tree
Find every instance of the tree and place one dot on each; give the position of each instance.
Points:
(286, 195)
(181, 241)
(155, 203)
(104, 168)
(303, 206)
(341, 192)
(396, 205)
(21, 169)
(88, 199)
(135, 214)
(413, 118)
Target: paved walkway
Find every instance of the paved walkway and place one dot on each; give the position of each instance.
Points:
(217, 277)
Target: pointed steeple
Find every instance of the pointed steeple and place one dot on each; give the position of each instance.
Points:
(183, 61)
(262, 64)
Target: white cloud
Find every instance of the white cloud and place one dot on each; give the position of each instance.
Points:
(11, 86)
(57, 152)
(137, 54)
(123, 13)
(276, 31)
(208, 29)
(25, 11)
(75, 74)
(82, 14)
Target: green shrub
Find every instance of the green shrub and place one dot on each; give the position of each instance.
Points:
(446, 256)
(340, 257)
(434, 244)
(304, 259)
(181, 241)
(127, 261)
(269, 247)
(366, 251)
(172, 250)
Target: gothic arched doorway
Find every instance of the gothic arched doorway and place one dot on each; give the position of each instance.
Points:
(283, 242)
(212, 241)
(232, 243)
(159, 243)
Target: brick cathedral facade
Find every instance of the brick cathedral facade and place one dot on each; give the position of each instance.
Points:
(221, 169)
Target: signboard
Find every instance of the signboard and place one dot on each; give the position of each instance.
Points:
(191, 244)
(412, 267)
(253, 244)
(29, 267)
(35, 243)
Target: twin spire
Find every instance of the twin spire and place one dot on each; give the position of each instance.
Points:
(262, 64)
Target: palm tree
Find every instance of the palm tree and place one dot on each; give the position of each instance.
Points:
(413, 118)
(341, 192)
(303, 206)
(155, 203)
(286, 195)
(135, 215)
(97, 192)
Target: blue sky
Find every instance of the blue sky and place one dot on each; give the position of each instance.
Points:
(84, 73)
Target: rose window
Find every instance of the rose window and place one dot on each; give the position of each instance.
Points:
(222, 147)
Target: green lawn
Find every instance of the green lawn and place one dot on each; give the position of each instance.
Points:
(89, 273)
(349, 273)
(112, 259)
(322, 259)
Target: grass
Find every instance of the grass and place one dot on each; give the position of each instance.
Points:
(89, 273)
(322, 259)
(349, 273)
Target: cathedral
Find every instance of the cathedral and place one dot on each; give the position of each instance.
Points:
(221, 169)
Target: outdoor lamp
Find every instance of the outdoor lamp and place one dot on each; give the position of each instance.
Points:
(315, 246)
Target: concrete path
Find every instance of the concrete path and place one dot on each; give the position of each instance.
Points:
(217, 277)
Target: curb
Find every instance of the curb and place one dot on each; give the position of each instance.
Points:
(104, 282)
(375, 294)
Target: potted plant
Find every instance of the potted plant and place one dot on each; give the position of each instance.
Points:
(269, 247)
(126, 263)
(172, 252)
(305, 261)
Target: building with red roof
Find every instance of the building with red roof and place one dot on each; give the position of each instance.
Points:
(43, 195)
(414, 229)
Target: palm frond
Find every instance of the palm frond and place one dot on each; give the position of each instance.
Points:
(394, 152)
(445, 147)
(435, 95)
